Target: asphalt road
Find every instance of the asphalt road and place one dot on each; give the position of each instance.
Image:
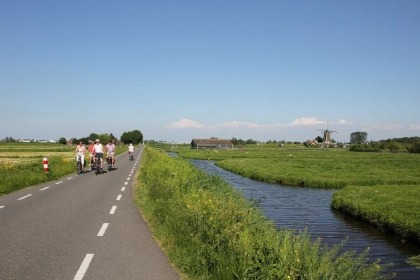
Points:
(80, 227)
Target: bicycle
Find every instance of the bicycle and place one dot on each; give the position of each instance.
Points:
(131, 156)
(98, 169)
(79, 165)
(111, 161)
(92, 163)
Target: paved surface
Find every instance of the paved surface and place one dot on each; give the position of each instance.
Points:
(80, 227)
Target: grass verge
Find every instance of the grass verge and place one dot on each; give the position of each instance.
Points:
(209, 231)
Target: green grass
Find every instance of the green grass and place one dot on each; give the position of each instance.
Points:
(210, 231)
(391, 208)
(327, 168)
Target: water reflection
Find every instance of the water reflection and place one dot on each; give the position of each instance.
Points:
(300, 208)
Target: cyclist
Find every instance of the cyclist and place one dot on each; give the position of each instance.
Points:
(91, 154)
(99, 151)
(110, 150)
(130, 150)
(80, 152)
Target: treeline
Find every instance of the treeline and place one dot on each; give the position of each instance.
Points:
(134, 137)
(410, 144)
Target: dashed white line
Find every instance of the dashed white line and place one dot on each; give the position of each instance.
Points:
(59, 182)
(2, 206)
(112, 212)
(123, 189)
(128, 178)
(119, 197)
(103, 229)
(69, 178)
(126, 183)
(23, 197)
(83, 267)
(43, 189)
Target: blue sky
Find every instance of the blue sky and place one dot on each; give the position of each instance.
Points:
(177, 70)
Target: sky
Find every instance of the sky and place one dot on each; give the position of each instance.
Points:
(181, 69)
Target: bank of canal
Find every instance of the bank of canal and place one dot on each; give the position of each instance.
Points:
(300, 208)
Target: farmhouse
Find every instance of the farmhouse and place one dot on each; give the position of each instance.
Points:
(211, 144)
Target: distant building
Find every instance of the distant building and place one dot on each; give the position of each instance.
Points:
(211, 144)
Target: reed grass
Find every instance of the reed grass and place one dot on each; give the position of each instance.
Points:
(210, 231)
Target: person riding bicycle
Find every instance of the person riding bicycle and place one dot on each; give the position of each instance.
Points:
(110, 150)
(99, 151)
(130, 150)
(80, 152)
(91, 150)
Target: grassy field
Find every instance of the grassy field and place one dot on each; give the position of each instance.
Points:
(327, 168)
(210, 231)
(394, 209)
(21, 164)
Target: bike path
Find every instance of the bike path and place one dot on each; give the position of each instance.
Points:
(80, 227)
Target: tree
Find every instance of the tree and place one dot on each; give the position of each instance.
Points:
(93, 136)
(104, 138)
(319, 139)
(134, 137)
(359, 137)
(62, 141)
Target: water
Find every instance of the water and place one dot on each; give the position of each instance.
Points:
(300, 208)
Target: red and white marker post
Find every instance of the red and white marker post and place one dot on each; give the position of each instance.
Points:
(45, 162)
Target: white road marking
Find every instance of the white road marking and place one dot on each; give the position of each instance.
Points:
(44, 188)
(128, 178)
(2, 206)
(59, 182)
(112, 212)
(123, 189)
(23, 197)
(126, 183)
(69, 178)
(83, 267)
(119, 197)
(103, 229)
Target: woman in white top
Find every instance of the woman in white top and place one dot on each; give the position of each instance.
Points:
(99, 151)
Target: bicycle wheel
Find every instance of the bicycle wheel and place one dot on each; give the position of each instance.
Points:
(79, 167)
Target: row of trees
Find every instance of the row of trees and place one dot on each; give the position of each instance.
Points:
(134, 137)
(392, 145)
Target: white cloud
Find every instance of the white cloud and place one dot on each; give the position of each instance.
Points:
(236, 124)
(307, 121)
(185, 123)
(414, 126)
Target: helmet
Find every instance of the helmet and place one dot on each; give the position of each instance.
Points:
(97, 140)
(131, 144)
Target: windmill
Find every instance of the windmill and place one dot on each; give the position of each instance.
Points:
(327, 134)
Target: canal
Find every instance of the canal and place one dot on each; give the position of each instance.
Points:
(305, 208)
